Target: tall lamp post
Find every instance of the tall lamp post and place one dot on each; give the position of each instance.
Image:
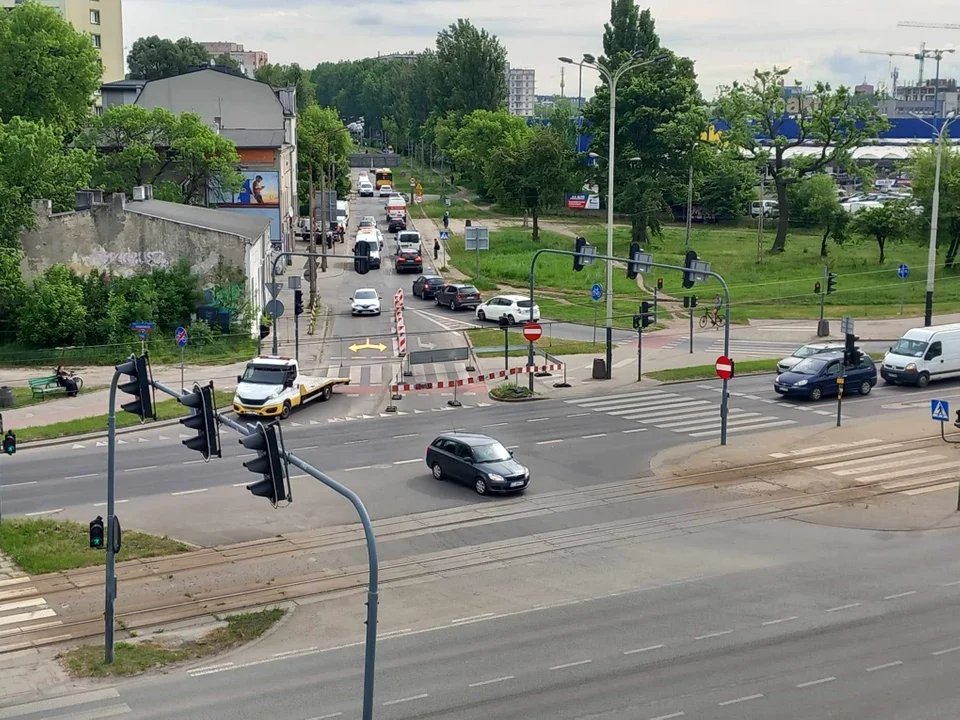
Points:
(934, 214)
(580, 65)
(612, 77)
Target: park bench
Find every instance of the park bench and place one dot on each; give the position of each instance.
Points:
(41, 386)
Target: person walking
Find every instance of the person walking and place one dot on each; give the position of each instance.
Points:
(446, 220)
(436, 249)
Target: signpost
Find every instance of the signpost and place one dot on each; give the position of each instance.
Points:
(447, 202)
(940, 412)
(142, 329)
(725, 367)
(476, 238)
(532, 331)
(596, 292)
(181, 336)
(444, 235)
(903, 272)
(418, 199)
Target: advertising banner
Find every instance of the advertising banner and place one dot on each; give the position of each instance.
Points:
(259, 188)
(583, 201)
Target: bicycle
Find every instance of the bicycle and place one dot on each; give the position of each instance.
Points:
(708, 317)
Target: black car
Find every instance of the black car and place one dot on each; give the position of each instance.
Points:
(427, 286)
(409, 261)
(397, 224)
(819, 375)
(458, 297)
(476, 460)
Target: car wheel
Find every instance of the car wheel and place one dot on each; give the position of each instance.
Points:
(285, 413)
(437, 471)
(923, 380)
(326, 394)
(480, 485)
(511, 320)
(453, 305)
(865, 387)
(436, 299)
(816, 392)
(481, 315)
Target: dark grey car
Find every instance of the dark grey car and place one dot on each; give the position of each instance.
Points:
(476, 460)
(458, 297)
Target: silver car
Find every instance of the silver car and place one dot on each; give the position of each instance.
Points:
(806, 351)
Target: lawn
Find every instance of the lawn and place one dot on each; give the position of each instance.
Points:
(23, 396)
(429, 179)
(44, 545)
(518, 346)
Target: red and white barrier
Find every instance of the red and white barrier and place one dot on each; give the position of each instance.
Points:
(478, 380)
(398, 299)
(401, 326)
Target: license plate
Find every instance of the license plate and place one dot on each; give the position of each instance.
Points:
(518, 483)
(891, 374)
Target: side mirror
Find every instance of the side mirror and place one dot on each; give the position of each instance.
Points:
(511, 452)
(288, 383)
(239, 378)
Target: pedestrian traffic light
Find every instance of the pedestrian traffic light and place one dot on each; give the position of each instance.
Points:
(688, 281)
(203, 420)
(266, 441)
(647, 316)
(361, 261)
(693, 301)
(10, 443)
(851, 353)
(264, 331)
(957, 423)
(633, 266)
(96, 534)
(831, 283)
(138, 370)
(579, 261)
(298, 302)
(816, 288)
(659, 283)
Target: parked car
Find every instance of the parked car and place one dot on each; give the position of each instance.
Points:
(386, 191)
(476, 460)
(408, 261)
(427, 286)
(923, 354)
(817, 376)
(396, 224)
(771, 208)
(365, 301)
(515, 308)
(806, 351)
(458, 296)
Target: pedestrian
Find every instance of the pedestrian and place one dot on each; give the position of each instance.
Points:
(436, 249)
(446, 220)
(717, 304)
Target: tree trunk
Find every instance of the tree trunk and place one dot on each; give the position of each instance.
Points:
(823, 241)
(536, 224)
(780, 243)
(951, 256)
(638, 230)
(881, 241)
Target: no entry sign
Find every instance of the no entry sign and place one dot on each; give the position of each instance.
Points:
(724, 367)
(532, 332)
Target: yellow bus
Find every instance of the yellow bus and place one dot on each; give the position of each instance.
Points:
(384, 177)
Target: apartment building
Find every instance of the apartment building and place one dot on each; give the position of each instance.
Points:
(102, 20)
(250, 60)
(521, 91)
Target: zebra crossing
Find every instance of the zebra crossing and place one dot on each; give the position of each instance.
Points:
(89, 705)
(756, 348)
(894, 466)
(21, 608)
(378, 374)
(694, 417)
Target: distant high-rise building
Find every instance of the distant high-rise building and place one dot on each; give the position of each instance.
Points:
(521, 91)
(250, 60)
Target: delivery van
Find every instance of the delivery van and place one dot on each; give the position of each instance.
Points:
(396, 207)
(923, 354)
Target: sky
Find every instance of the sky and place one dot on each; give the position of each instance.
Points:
(818, 39)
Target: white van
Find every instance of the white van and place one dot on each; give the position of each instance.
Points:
(375, 240)
(923, 354)
(771, 208)
(396, 207)
(343, 213)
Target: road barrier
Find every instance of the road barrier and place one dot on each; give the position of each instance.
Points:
(475, 380)
(398, 319)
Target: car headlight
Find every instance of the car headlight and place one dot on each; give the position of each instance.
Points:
(274, 396)
(494, 477)
(800, 383)
(910, 367)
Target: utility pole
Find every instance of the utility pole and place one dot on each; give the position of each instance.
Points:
(686, 243)
(323, 223)
(312, 262)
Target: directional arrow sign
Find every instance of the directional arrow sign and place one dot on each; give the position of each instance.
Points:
(368, 346)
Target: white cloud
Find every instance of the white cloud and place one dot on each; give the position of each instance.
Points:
(819, 39)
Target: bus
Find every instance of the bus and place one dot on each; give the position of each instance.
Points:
(384, 177)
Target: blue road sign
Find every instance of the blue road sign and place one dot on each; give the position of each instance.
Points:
(447, 202)
(444, 235)
(940, 410)
(596, 292)
(142, 329)
(903, 271)
(181, 336)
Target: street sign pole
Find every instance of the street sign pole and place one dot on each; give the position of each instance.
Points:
(181, 338)
(506, 348)
(640, 353)
(903, 272)
(841, 381)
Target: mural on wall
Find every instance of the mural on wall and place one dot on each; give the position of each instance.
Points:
(260, 188)
(105, 260)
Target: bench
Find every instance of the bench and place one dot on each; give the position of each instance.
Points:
(41, 386)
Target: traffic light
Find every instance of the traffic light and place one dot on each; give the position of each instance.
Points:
(270, 463)
(831, 283)
(578, 259)
(851, 354)
(361, 263)
(688, 281)
(139, 386)
(693, 301)
(96, 534)
(647, 316)
(10, 443)
(633, 267)
(203, 420)
(816, 288)
(298, 302)
(659, 283)
(957, 423)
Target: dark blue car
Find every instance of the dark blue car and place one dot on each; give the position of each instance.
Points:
(818, 375)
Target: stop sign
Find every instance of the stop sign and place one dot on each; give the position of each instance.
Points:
(532, 332)
(724, 367)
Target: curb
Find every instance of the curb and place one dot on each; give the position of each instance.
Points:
(704, 379)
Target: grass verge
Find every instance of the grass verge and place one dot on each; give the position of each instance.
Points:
(132, 658)
(23, 396)
(518, 346)
(709, 372)
(45, 545)
(166, 410)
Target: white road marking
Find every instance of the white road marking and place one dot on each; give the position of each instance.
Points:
(42, 512)
(512, 447)
(408, 435)
(668, 717)
(842, 607)
(80, 477)
(406, 462)
(362, 467)
(148, 467)
(644, 649)
(308, 447)
(116, 502)
(294, 652)
(27, 617)
(713, 635)
(538, 419)
(885, 666)
(578, 415)
(821, 681)
(406, 699)
(951, 584)
(900, 595)
(190, 492)
(549, 442)
(944, 652)
(781, 620)
(634, 430)
(13, 485)
(326, 717)
(491, 682)
(211, 667)
(591, 437)
(472, 617)
(572, 664)
(741, 699)
(391, 633)
(193, 462)
(357, 442)
(499, 424)
(20, 604)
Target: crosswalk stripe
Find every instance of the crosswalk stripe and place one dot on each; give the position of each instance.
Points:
(825, 448)
(697, 406)
(849, 463)
(905, 473)
(620, 396)
(849, 453)
(622, 400)
(670, 404)
(935, 488)
(881, 463)
(731, 422)
(914, 481)
(762, 424)
(700, 423)
(58, 703)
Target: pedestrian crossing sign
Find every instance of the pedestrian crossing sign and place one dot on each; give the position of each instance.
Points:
(444, 235)
(940, 410)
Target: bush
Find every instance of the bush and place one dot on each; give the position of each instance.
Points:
(509, 391)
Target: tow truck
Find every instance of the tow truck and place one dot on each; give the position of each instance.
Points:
(271, 386)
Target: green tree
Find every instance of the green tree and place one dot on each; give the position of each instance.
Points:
(48, 70)
(923, 165)
(629, 29)
(281, 76)
(12, 290)
(815, 203)
(322, 140)
(471, 69)
(53, 312)
(890, 221)
(831, 118)
(481, 132)
(224, 60)
(153, 58)
(724, 181)
(180, 156)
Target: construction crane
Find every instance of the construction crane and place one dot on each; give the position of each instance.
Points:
(920, 57)
(939, 26)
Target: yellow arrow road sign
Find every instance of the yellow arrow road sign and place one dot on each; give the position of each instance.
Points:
(368, 346)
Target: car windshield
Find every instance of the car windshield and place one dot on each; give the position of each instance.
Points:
(910, 348)
(365, 295)
(264, 375)
(492, 452)
(810, 366)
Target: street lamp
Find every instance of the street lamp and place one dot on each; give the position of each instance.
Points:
(569, 61)
(934, 214)
(613, 77)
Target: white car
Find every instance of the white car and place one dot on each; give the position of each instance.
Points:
(365, 301)
(515, 308)
(365, 189)
(386, 191)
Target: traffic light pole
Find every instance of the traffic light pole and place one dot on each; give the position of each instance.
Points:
(725, 395)
(111, 581)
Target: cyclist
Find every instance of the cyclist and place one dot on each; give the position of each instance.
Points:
(717, 304)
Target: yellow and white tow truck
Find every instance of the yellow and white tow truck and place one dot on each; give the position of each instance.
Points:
(271, 386)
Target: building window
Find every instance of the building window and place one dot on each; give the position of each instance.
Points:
(96, 41)
(98, 110)
(94, 17)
